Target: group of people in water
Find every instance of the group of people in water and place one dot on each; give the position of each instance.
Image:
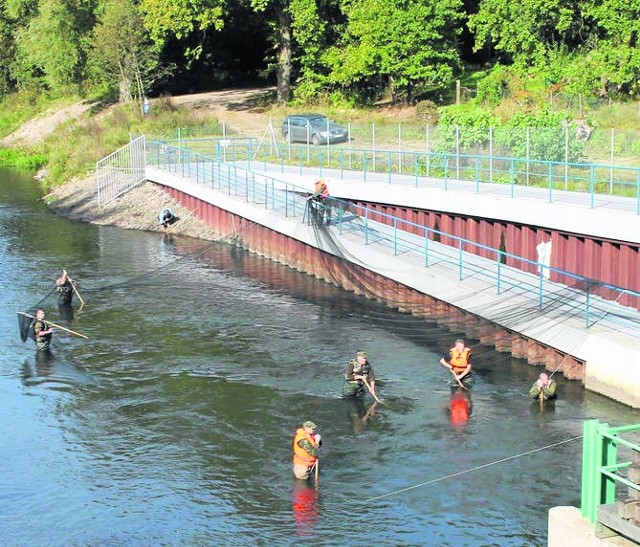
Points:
(359, 379)
(42, 331)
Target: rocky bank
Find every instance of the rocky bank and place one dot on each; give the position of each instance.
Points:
(138, 209)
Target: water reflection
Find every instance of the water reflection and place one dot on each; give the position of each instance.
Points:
(460, 407)
(360, 412)
(305, 507)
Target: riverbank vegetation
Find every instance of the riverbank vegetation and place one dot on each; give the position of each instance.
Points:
(545, 64)
(341, 52)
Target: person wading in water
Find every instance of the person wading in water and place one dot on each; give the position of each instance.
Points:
(306, 445)
(459, 363)
(42, 332)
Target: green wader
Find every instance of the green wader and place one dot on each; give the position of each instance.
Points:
(42, 342)
(352, 389)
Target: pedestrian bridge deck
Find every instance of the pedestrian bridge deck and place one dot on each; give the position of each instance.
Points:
(562, 317)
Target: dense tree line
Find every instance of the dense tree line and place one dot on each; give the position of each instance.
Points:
(353, 51)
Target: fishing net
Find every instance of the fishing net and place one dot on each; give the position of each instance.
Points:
(24, 323)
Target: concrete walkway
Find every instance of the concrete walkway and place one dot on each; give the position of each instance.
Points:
(511, 298)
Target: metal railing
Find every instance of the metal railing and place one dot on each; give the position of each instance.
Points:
(121, 170)
(421, 244)
(602, 473)
(444, 170)
(447, 171)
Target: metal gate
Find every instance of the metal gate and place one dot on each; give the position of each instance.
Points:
(121, 170)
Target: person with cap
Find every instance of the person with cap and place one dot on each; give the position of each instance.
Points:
(42, 332)
(544, 388)
(358, 375)
(459, 362)
(306, 445)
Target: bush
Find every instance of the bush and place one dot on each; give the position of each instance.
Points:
(427, 111)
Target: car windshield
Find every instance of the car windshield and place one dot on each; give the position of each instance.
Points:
(319, 122)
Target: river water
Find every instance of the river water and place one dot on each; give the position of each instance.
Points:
(172, 424)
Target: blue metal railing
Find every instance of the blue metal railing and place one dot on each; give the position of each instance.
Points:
(413, 240)
(427, 168)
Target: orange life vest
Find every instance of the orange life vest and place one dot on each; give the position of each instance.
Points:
(301, 456)
(459, 359)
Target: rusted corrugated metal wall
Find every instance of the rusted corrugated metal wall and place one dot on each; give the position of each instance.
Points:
(612, 262)
(362, 281)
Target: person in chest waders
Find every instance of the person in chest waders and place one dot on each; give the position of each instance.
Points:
(42, 332)
(544, 388)
(64, 288)
(306, 445)
(358, 376)
(459, 363)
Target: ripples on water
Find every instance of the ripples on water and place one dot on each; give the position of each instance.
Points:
(172, 424)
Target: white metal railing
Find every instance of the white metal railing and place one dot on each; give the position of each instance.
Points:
(121, 170)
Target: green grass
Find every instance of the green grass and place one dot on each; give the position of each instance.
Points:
(74, 151)
(21, 158)
(18, 108)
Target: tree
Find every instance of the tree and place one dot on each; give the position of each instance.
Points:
(404, 42)
(7, 28)
(616, 49)
(52, 46)
(122, 55)
(525, 31)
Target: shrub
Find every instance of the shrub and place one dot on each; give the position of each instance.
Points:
(427, 111)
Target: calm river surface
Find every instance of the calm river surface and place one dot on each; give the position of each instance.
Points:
(172, 424)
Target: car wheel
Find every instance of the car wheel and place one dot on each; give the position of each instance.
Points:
(315, 140)
(287, 137)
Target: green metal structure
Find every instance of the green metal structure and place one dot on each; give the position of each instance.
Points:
(600, 468)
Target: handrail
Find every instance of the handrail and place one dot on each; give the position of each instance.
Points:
(600, 465)
(401, 235)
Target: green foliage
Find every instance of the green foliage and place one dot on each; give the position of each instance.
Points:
(179, 18)
(539, 136)
(51, 48)
(122, 57)
(395, 44)
(22, 158)
(427, 111)
(493, 87)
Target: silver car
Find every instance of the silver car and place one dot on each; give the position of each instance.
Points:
(313, 128)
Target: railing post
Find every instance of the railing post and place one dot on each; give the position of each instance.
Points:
(446, 171)
(460, 245)
(541, 287)
(395, 236)
(592, 184)
(458, 152)
(286, 200)
(364, 165)
(638, 192)
(590, 476)
(587, 305)
(415, 167)
(491, 154)
(426, 247)
(366, 226)
(477, 170)
(512, 176)
(498, 285)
